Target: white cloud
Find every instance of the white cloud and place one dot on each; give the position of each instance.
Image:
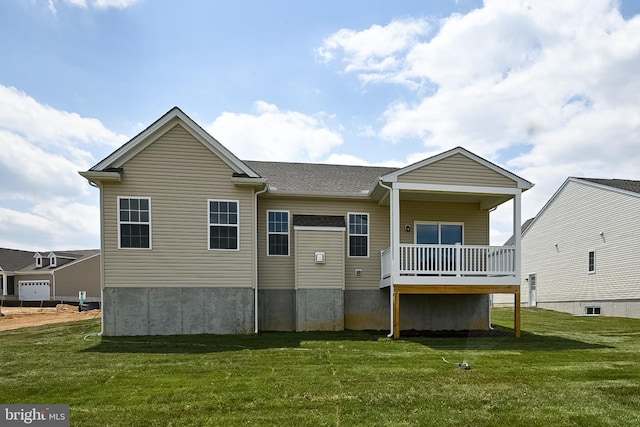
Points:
(376, 51)
(95, 4)
(548, 88)
(118, 4)
(273, 134)
(348, 159)
(43, 201)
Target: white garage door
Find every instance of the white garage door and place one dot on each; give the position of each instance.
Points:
(37, 290)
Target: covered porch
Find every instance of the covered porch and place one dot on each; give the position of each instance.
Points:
(440, 233)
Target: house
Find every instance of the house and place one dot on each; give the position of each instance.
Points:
(195, 240)
(581, 253)
(46, 276)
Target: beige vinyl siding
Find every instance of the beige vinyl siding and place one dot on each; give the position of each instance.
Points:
(574, 220)
(180, 175)
(457, 170)
(476, 220)
(277, 272)
(312, 275)
(83, 275)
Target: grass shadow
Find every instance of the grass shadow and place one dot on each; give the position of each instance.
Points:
(500, 338)
(209, 343)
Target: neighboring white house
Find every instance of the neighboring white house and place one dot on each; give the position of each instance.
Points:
(581, 253)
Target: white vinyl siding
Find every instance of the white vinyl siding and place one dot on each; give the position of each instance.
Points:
(583, 218)
(179, 174)
(278, 226)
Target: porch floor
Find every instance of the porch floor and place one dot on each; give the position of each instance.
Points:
(454, 290)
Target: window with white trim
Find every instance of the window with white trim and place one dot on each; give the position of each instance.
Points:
(358, 234)
(223, 224)
(38, 261)
(277, 233)
(53, 261)
(134, 222)
(592, 262)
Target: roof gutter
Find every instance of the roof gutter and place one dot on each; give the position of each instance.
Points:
(255, 258)
(391, 232)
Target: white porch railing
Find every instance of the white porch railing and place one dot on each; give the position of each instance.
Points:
(452, 260)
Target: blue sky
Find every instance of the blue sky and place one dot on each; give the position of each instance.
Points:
(546, 89)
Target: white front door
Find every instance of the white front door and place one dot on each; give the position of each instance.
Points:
(533, 292)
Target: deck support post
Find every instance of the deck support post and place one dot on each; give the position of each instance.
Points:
(454, 290)
(516, 312)
(396, 313)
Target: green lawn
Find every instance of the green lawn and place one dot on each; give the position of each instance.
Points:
(563, 371)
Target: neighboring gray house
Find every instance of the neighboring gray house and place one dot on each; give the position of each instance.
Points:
(45, 276)
(195, 240)
(581, 253)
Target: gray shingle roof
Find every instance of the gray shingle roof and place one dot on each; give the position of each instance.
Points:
(13, 259)
(16, 260)
(622, 184)
(318, 179)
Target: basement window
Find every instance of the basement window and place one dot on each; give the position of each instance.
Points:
(592, 310)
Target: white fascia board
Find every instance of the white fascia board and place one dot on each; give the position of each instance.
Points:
(364, 196)
(163, 125)
(97, 176)
(522, 183)
(249, 182)
(445, 188)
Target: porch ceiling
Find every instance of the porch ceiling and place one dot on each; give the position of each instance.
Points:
(486, 201)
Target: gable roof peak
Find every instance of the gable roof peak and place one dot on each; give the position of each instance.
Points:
(158, 128)
(522, 183)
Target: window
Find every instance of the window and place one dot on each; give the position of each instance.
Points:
(38, 261)
(592, 261)
(277, 233)
(592, 310)
(53, 261)
(134, 218)
(223, 224)
(438, 233)
(359, 234)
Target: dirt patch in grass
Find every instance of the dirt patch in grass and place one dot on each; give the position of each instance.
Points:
(24, 317)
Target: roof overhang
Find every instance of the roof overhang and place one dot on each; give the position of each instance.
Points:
(97, 177)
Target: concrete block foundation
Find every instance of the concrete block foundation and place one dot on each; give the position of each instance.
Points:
(176, 311)
(319, 310)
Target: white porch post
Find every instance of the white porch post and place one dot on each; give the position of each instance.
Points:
(4, 284)
(395, 232)
(517, 228)
(395, 253)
